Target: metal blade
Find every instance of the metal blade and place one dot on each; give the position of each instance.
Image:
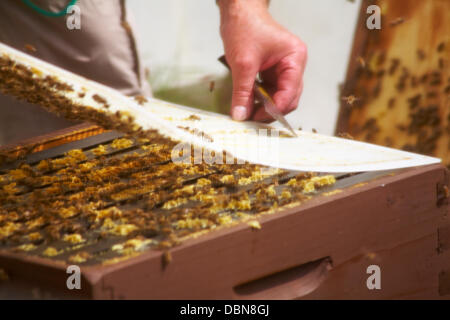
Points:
(271, 108)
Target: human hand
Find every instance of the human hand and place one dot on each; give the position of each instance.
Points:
(254, 42)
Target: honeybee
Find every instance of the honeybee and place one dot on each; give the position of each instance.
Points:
(166, 258)
(345, 135)
(421, 54)
(361, 61)
(140, 99)
(446, 192)
(391, 103)
(164, 244)
(397, 21)
(350, 100)
(30, 48)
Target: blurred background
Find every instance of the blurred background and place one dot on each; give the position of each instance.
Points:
(179, 42)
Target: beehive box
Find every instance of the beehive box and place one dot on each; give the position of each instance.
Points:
(140, 228)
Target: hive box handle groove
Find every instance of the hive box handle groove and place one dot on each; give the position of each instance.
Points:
(292, 283)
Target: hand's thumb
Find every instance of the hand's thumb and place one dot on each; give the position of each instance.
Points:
(243, 75)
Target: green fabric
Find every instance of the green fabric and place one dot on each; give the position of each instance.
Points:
(49, 13)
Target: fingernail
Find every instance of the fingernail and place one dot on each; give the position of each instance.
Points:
(239, 113)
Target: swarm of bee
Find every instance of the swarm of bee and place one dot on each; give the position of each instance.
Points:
(89, 207)
(422, 96)
(118, 199)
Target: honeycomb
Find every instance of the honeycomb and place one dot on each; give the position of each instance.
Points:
(90, 207)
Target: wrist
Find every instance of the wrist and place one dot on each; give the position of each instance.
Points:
(233, 8)
(241, 12)
(220, 2)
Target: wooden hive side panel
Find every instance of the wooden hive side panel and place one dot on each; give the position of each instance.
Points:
(394, 219)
